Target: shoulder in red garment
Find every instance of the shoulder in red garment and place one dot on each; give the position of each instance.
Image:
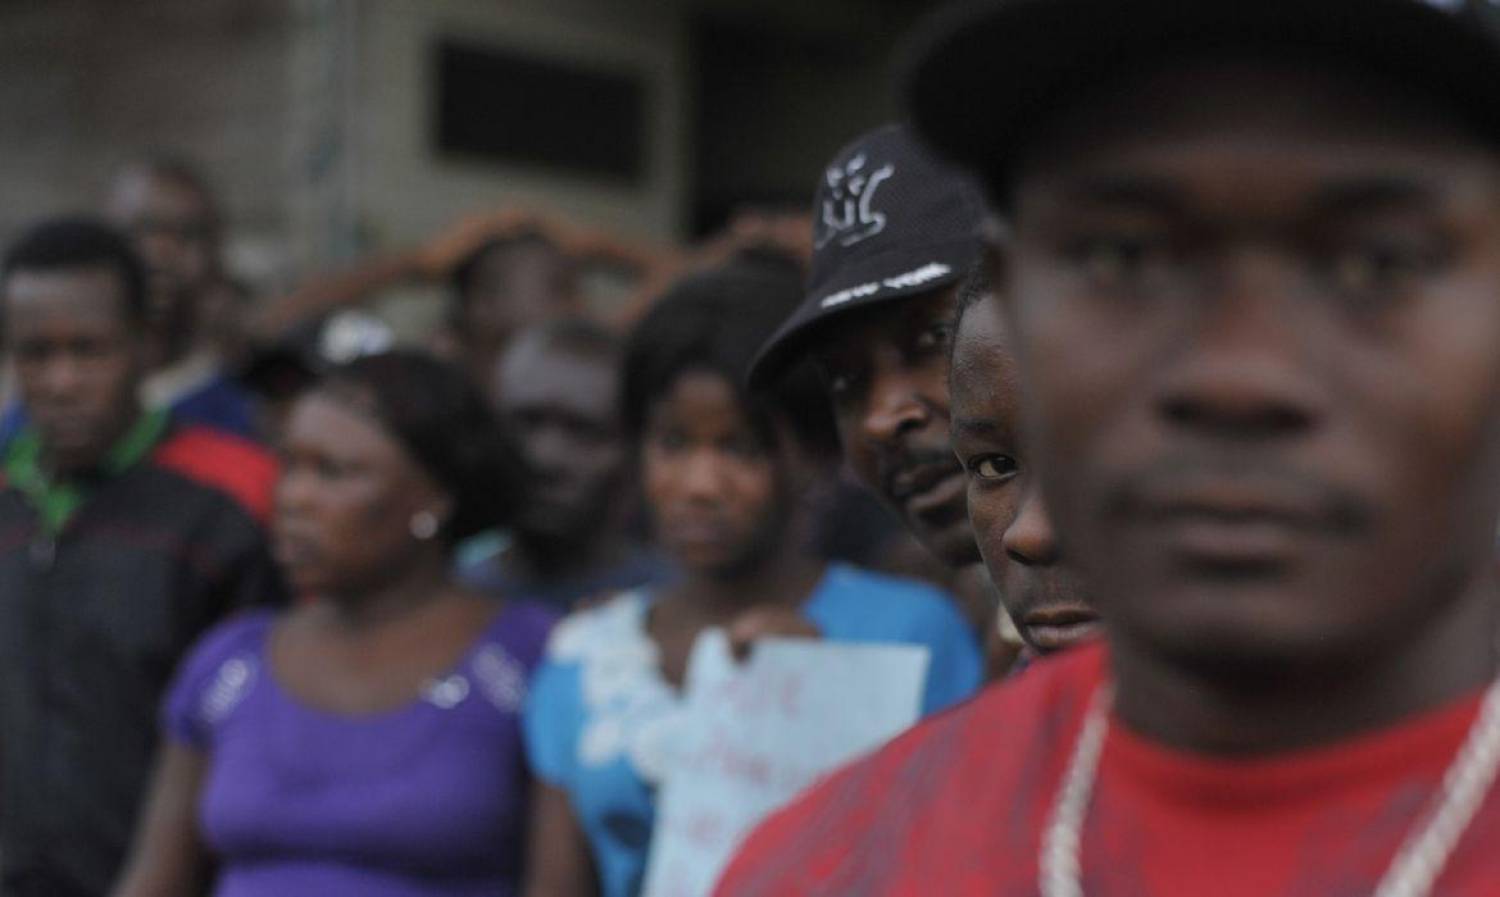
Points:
(954, 806)
(235, 466)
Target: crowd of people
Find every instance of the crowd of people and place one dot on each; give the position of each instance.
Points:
(1145, 380)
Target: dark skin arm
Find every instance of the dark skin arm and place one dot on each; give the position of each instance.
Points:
(559, 862)
(331, 292)
(435, 261)
(658, 268)
(169, 858)
(430, 262)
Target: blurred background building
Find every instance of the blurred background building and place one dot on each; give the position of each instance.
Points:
(333, 128)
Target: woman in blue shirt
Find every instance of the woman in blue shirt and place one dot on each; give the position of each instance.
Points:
(725, 476)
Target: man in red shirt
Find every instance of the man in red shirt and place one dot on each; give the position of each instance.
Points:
(1251, 278)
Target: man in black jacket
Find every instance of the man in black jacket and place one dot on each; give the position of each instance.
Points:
(122, 537)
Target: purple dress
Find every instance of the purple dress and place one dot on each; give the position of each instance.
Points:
(427, 800)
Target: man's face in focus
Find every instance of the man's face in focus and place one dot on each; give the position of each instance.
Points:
(561, 406)
(1255, 305)
(1015, 537)
(886, 370)
(77, 360)
(173, 228)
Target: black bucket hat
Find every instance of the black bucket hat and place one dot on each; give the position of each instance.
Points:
(889, 221)
(980, 74)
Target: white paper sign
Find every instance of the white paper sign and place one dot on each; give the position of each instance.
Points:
(758, 733)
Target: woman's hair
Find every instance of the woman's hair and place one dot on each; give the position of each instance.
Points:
(715, 322)
(443, 422)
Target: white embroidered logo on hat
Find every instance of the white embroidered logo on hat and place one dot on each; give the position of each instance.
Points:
(847, 214)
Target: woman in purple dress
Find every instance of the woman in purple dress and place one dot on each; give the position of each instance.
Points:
(366, 742)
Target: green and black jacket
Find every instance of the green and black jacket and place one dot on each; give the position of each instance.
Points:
(105, 581)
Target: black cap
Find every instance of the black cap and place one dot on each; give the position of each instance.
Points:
(889, 220)
(982, 73)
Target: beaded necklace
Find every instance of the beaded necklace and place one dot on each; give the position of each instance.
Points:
(1417, 863)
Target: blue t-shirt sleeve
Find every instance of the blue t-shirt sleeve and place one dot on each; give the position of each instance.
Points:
(956, 668)
(861, 606)
(550, 722)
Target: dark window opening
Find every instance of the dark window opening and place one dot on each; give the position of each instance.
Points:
(496, 105)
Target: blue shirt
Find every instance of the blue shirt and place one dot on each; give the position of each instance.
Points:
(219, 403)
(600, 717)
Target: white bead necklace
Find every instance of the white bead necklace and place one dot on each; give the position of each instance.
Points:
(1412, 873)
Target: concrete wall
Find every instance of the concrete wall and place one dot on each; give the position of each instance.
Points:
(407, 190)
(313, 117)
(85, 83)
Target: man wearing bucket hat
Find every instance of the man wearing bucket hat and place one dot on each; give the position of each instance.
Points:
(896, 238)
(894, 234)
(1251, 283)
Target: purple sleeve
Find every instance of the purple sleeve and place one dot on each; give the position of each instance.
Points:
(529, 624)
(183, 719)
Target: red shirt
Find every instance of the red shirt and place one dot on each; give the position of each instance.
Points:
(957, 807)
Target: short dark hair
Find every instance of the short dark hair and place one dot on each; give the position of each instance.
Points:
(444, 423)
(715, 321)
(61, 244)
(975, 286)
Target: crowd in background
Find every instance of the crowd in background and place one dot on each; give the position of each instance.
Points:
(291, 604)
(293, 567)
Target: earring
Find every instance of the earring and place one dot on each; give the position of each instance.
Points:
(424, 525)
